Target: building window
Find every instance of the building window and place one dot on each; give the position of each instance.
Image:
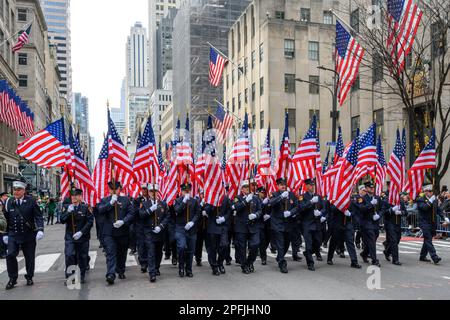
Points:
(228, 105)
(232, 76)
(22, 15)
(245, 66)
(253, 124)
(377, 68)
(239, 101)
(238, 71)
(355, 123)
(408, 60)
(23, 80)
(239, 37)
(279, 15)
(289, 48)
(305, 14)
(228, 81)
(355, 86)
(246, 96)
(313, 113)
(261, 86)
(261, 120)
(289, 83)
(314, 88)
(245, 29)
(378, 118)
(292, 117)
(354, 20)
(253, 92)
(313, 51)
(253, 21)
(327, 17)
(253, 59)
(233, 105)
(261, 52)
(23, 58)
(438, 42)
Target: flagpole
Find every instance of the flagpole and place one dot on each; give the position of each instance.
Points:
(17, 32)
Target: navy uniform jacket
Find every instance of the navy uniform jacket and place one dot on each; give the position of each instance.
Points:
(337, 220)
(125, 212)
(265, 209)
(390, 216)
(83, 221)
(182, 217)
(367, 210)
(203, 221)
(278, 206)
(428, 212)
(216, 212)
(309, 220)
(242, 208)
(23, 221)
(150, 220)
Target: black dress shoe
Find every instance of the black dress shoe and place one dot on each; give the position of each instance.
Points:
(199, 264)
(297, 258)
(82, 280)
(245, 270)
(189, 274)
(387, 256)
(132, 252)
(30, 282)
(342, 255)
(325, 245)
(284, 269)
(425, 260)
(437, 260)
(365, 259)
(319, 258)
(158, 273)
(311, 268)
(396, 263)
(11, 284)
(355, 266)
(167, 258)
(152, 279)
(216, 272)
(122, 276)
(143, 269)
(181, 273)
(358, 246)
(222, 269)
(263, 262)
(88, 267)
(376, 263)
(330, 263)
(251, 268)
(110, 280)
(228, 263)
(174, 261)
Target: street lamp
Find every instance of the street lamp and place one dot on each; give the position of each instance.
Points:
(334, 112)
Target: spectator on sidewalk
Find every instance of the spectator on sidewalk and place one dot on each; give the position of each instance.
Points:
(51, 209)
(3, 197)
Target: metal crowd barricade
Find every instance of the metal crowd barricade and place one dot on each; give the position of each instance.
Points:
(410, 224)
(440, 227)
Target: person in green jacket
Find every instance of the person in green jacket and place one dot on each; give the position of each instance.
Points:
(51, 210)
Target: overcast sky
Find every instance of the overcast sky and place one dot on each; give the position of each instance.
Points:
(99, 33)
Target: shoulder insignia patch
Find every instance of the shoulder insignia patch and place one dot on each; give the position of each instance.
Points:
(301, 198)
(360, 200)
(236, 200)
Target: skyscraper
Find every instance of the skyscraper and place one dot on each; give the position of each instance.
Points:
(57, 16)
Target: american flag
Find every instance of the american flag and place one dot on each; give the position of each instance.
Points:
(146, 166)
(23, 39)
(319, 172)
(339, 153)
(404, 17)
(348, 59)
(223, 122)
(171, 185)
(381, 168)
(118, 155)
(396, 170)
(216, 65)
(46, 147)
(367, 156)
(265, 161)
(426, 160)
(213, 177)
(304, 161)
(102, 172)
(162, 170)
(184, 149)
(342, 189)
(169, 150)
(284, 166)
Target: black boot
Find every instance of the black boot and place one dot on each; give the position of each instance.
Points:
(11, 284)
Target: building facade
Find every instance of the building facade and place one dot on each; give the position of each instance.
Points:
(164, 46)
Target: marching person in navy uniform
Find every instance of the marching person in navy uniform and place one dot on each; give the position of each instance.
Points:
(119, 214)
(247, 207)
(154, 215)
(201, 232)
(264, 224)
(139, 229)
(370, 210)
(25, 226)
(312, 214)
(79, 220)
(393, 224)
(428, 211)
(217, 234)
(283, 220)
(187, 210)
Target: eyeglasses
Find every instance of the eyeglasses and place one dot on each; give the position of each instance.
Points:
(18, 189)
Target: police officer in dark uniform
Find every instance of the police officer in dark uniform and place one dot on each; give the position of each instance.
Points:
(230, 228)
(428, 211)
(393, 224)
(264, 225)
(217, 234)
(25, 226)
(155, 217)
(187, 210)
(139, 229)
(283, 219)
(312, 214)
(201, 232)
(79, 219)
(370, 210)
(247, 207)
(119, 214)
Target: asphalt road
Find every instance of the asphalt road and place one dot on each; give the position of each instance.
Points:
(414, 280)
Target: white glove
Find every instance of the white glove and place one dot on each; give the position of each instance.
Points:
(234, 213)
(266, 201)
(315, 200)
(374, 202)
(186, 198)
(204, 214)
(189, 226)
(157, 230)
(233, 208)
(287, 214)
(252, 217)
(376, 217)
(323, 219)
(77, 236)
(396, 208)
(249, 198)
(71, 208)
(202, 203)
(285, 195)
(118, 224)
(5, 240)
(447, 220)
(266, 217)
(40, 236)
(432, 199)
(114, 199)
(398, 213)
(348, 213)
(317, 213)
(220, 220)
(154, 207)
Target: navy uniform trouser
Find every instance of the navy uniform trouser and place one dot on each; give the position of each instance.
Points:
(369, 238)
(217, 248)
(393, 237)
(116, 254)
(281, 241)
(264, 241)
(185, 247)
(154, 253)
(141, 246)
(313, 240)
(201, 239)
(133, 237)
(340, 236)
(242, 241)
(428, 247)
(296, 239)
(76, 254)
(228, 248)
(29, 251)
(170, 244)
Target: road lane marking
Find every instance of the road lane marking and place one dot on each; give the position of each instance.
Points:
(131, 260)
(93, 255)
(43, 263)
